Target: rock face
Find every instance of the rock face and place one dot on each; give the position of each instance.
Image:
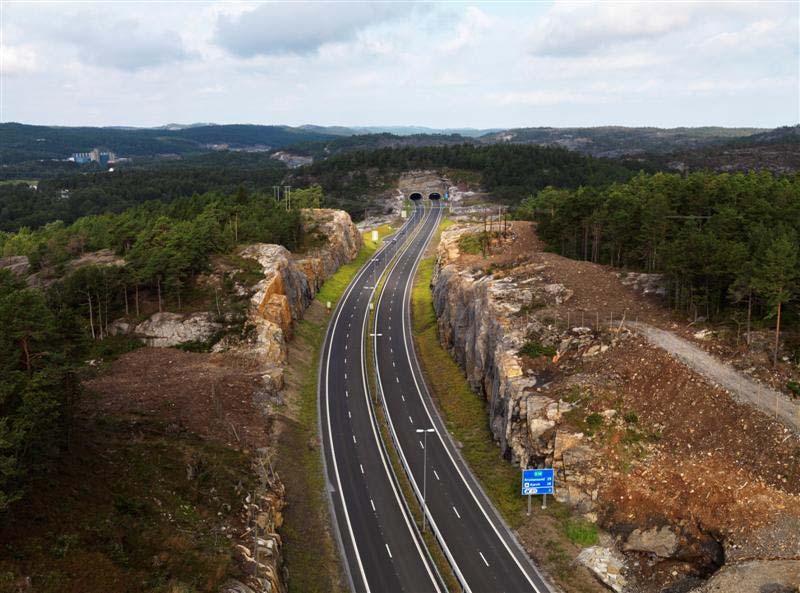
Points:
(480, 322)
(757, 576)
(170, 329)
(290, 284)
(16, 264)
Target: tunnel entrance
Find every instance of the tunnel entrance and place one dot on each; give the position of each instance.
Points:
(416, 196)
(435, 196)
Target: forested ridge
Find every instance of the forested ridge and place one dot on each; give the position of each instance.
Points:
(728, 243)
(50, 328)
(103, 192)
(506, 171)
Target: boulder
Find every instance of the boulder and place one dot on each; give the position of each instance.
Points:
(755, 576)
(16, 264)
(606, 564)
(662, 542)
(167, 329)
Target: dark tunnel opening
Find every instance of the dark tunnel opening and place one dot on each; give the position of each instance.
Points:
(434, 196)
(416, 196)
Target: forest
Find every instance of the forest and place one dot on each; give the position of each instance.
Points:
(508, 172)
(100, 192)
(728, 243)
(51, 326)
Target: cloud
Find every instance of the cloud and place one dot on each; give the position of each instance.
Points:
(540, 98)
(17, 60)
(123, 44)
(300, 28)
(576, 29)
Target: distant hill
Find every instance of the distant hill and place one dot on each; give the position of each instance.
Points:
(775, 150)
(20, 142)
(422, 130)
(616, 141)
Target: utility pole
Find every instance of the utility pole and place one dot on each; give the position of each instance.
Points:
(287, 189)
(425, 432)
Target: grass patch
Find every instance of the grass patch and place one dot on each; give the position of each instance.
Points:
(535, 349)
(581, 532)
(335, 286)
(463, 411)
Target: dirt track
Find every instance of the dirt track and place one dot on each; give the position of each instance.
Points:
(741, 387)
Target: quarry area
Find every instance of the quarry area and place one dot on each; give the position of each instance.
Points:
(693, 486)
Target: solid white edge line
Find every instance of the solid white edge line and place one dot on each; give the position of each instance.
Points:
(406, 322)
(404, 461)
(328, 339)
(373, 421)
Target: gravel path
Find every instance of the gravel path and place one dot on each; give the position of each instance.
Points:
(743, 388)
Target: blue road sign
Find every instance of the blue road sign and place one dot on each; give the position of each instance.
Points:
(537, 481)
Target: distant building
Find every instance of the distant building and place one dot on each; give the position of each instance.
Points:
(96, 155)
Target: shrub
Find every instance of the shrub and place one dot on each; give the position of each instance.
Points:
(534, 349)
(631, 417)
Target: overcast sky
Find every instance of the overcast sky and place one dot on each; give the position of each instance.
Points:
(423, 63)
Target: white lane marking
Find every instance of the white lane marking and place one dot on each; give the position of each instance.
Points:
(393, 364)
(403, 397)
(455, 510)
(349, 415)
(346, 393)
(411, 420)
(354, 440)
(371, 502)
(390, 552)
(398, 379)
(421, 446)
(408, 520)
(345, 376)
(483, 558)
(345, 360)
(362, 468)
(435, 474)
(345, 346)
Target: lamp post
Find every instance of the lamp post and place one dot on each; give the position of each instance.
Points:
(425, 432)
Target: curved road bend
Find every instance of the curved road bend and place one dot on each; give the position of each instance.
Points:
(381, 545)
(481, 549)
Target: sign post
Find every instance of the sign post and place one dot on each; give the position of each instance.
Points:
(537, 481)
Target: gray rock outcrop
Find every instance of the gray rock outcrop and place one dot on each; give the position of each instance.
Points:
(167, 329)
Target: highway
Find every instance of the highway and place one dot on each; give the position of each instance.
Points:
(482, 552)
(382, 547)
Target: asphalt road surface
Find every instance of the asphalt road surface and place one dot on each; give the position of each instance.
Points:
(481, 550)
(382, 546)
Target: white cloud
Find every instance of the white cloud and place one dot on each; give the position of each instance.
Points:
(17, 60)
(437, 64)
(298, 27)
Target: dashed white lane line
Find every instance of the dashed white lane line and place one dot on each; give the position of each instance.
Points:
(411, 420)
(483, 558)
(354, 440)
(455, 510)
(390, 552)
(362, 473)
(421, 446)
(371, 502)
(435, 474)
(346, 393)
(349, 415)
(403, 397)
(393, 364)
(398, 379)
(345, 360)
(345, 376)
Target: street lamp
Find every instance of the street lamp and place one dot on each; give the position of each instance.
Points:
(425, 432)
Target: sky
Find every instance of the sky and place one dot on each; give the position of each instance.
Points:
(437, 64)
